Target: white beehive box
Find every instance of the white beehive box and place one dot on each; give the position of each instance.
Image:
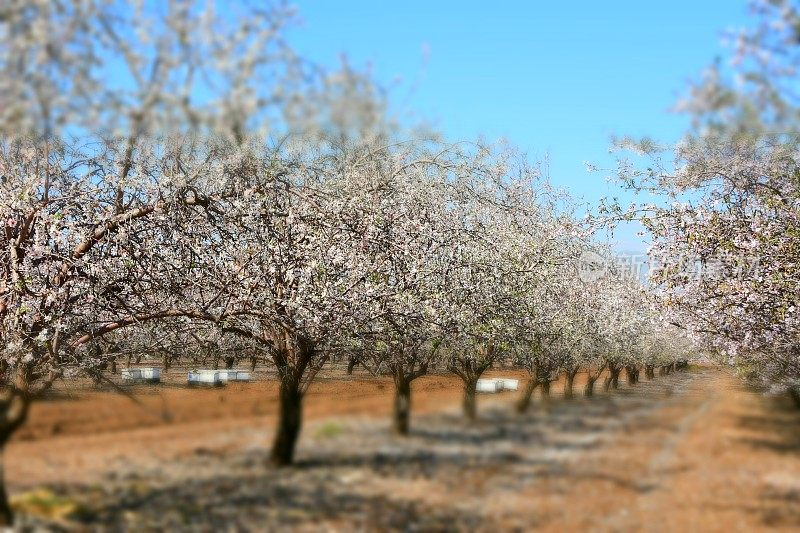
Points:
(234, 375)
(151, 374)
(508, 384)
(204, 377)
(131, 374)
(488, 385)
(141, 375)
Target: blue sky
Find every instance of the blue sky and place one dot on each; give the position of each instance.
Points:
(555, 78)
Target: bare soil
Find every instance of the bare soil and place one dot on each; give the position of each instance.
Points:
(693, 451)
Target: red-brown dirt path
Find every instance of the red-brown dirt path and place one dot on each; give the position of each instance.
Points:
(80, 434)
(695, 451)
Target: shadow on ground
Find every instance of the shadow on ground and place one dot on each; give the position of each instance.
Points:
(775, 428)
(437, 479)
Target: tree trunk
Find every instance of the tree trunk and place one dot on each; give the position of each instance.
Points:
(351, 364)
(545, 390)
(525, 399)
(569, 384)
(589, 390)
(470, 371)
(253, 362)
(130, 357)
(6, 516)
(631, 374)
(293, 358)
(612, 380)
(402, 404)
(229, 362)
(166, 362)
(794, 394)
(649, 371)
(114, 365)
(290, 419)
(470, 401)
(13, 412)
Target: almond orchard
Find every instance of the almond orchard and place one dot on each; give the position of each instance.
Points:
(224, 199)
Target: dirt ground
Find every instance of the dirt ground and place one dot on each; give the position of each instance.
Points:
(693, 451)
